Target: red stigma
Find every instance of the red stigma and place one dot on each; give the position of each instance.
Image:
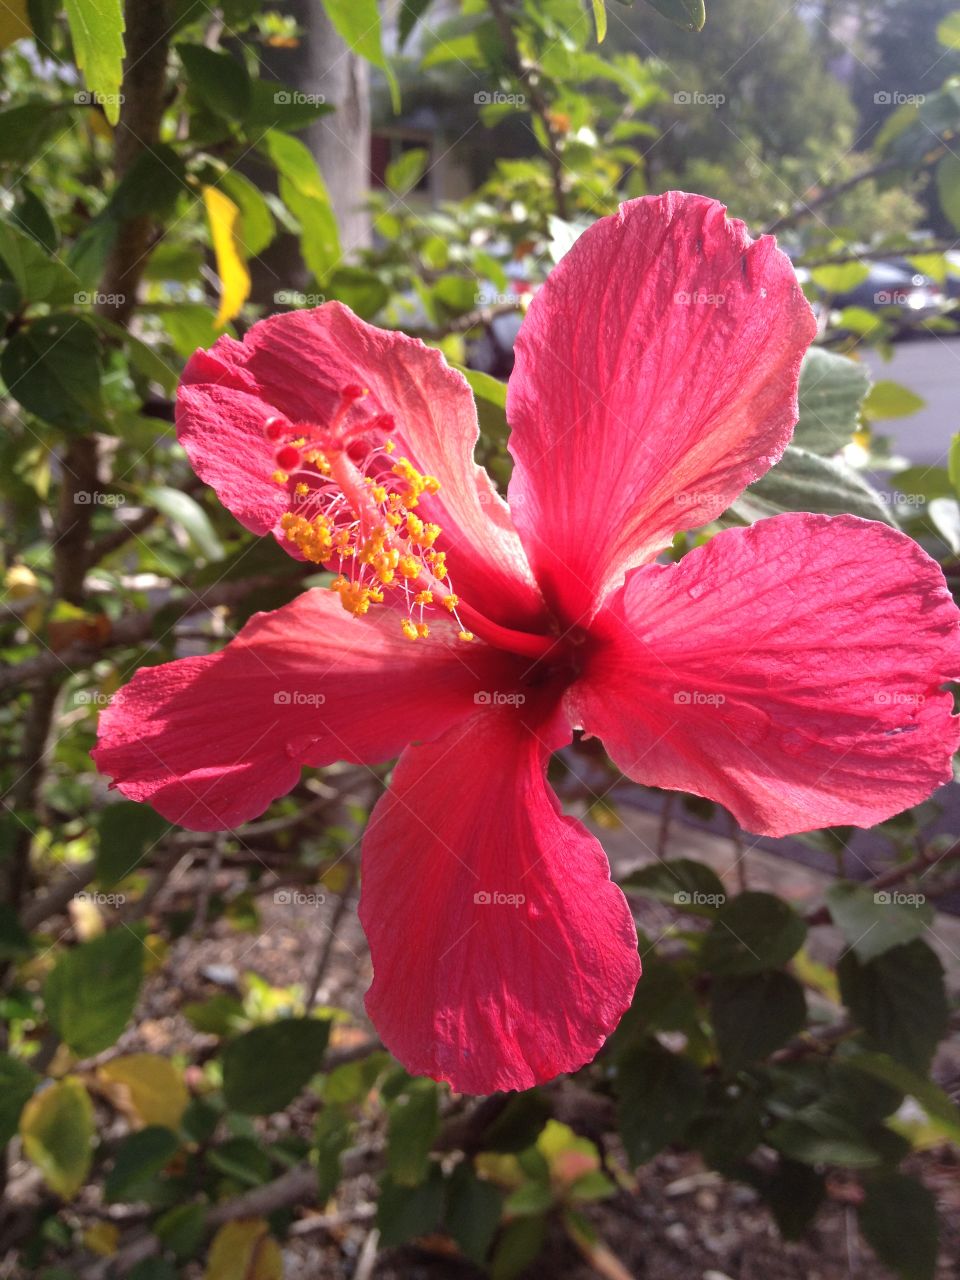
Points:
(288, 458)
(273, 428)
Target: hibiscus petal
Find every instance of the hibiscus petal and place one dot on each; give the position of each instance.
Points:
(210, 741)
(295, 365)
(503, 954)
(791, 671)
(656, 376)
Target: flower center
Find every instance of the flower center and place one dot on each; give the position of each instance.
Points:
(353, 508)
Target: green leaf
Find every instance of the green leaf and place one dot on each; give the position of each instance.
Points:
(38, 276)
(57, 1132)
(948, 187)
(521, 1243)
(187, 512)
(405, 172)
(92, 990)
(25, 129)
(841, 277)
(358, 22)
(304, 192)
(832, 388)
(52, 367)
(751, 933)
(659, 1094)
(96, 28)
(873, 922)
(217, 80)
(257, 226)
(182, 1230)
(140, 1156)
(267, 1067)
(600, 19)
(793, 1191)
(818, 1136)
(331, 1138)
(953, 464)
(125, 833)
(275, 106)
(803, 481)
(690, 885)
(688, 14)
(17, 1083)
(363, 291)
(899, 1000)
(519, 1124)
(899, 1219)
(403, 1213)
(754, 1015)
(410, 14)
(242, 1159)
(413, 1125)
(14, 939)
(948, 30)
(942, 1113)
(924, 482)
(891, 400)
(473, 1212)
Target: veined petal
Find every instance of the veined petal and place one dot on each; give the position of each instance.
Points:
(210, 741)
(503, 954)
(792, 671)
(656, 376)
(296, 366)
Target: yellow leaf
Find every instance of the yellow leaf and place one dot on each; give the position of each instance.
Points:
(14, 23)
(149, 1087)
(244, 1251)
(231, 267)
(102, 1238)
(57, 1132)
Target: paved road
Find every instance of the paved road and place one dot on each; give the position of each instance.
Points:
(931, 368)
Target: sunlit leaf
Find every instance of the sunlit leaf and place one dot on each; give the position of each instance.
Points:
(57, 1133)
(97, 28)
(232, 269)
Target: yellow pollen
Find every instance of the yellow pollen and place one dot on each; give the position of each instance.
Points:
(408, 629)
(408, 567)
(422, 630)
(279, 477)
(466, 635)
(450, 602)
(389, 446)
(423, 597)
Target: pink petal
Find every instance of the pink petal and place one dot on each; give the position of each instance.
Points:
(295, 365)
(792, 671)
(211, 741)
(656, 376)
(502, 993)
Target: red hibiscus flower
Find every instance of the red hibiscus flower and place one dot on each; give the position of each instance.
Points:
(792, 671)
